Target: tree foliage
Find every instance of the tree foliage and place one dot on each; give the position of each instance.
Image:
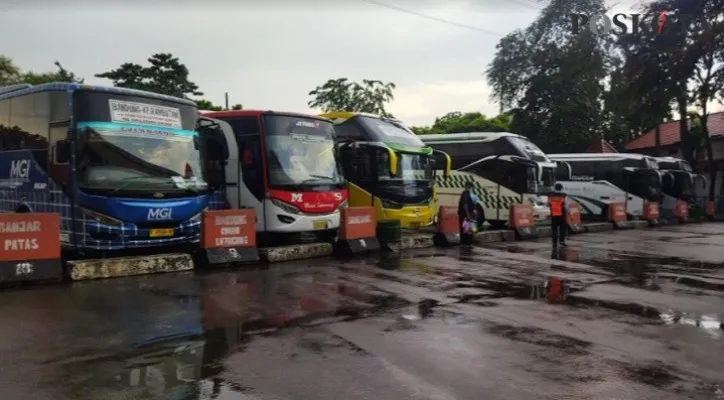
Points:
(554, 79)
(10, 74)
(165, 74)
(371, 96)
(457, 122)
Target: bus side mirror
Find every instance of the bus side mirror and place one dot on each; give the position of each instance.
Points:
(385, 155)
(440, 158)
(62, 152)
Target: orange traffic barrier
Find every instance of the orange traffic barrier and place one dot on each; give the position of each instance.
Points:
(229, 235)
(357, 231)
(651, 211)
(521, 221)
(30, 247)
(681, 211)
(521, 216)
(710, 209)
(617, 212)
(448, 227)
(573, 218)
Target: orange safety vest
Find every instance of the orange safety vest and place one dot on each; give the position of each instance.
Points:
(556, 203)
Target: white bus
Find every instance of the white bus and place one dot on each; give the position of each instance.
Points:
(595, 180)
(680, 182)
(281, 164)
(505, 169)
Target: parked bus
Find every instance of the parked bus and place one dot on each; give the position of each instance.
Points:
(284, 166)
(121, 166)
(595, 180)
(505, 169)
(388, 167)
(680, 183)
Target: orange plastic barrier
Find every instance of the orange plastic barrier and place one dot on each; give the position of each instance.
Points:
(574, 214)
(682, 209)
(651, 211)
(710, 208)
(448, 220)
(521, 216)
(358, 223)
(29, 236)
(617, 212)
(228, 229)
(30, 246)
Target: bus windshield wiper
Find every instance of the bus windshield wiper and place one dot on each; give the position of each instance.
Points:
(318, 177)
(129, 181)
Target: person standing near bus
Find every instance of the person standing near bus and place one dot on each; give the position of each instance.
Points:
(557, 203)
(465, 212)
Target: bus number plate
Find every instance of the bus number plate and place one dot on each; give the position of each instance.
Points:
(155, 233)
(320, 224)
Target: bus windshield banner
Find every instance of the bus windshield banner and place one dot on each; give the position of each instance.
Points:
(144, 114)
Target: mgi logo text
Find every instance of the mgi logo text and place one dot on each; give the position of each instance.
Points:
(621, 24)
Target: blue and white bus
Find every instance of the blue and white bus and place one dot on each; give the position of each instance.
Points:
(122, 167)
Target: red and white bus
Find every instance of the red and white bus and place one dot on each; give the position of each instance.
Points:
(283, 165)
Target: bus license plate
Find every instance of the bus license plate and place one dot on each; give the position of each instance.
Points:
(320, 225)
(161, 233)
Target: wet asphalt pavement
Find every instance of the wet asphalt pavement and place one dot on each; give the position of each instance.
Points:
(642, 321)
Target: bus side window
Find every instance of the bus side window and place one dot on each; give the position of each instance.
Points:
(356, 165)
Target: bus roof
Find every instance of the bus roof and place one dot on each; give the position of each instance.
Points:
(345, 115)
(467, 137)
(598, 156)
(70, 87)
(670, 159)
(257, 113)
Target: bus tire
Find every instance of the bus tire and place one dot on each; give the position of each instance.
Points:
(481, 215)
(23, 208)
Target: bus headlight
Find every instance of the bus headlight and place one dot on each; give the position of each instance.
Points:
(100, 218)
(197, 217)
(285, 206)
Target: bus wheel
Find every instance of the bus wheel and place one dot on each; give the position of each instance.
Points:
(497, 225)
(481, 215)
(22, 208)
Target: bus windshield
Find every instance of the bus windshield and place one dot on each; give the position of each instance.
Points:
(529, 149)
(413, 182)
(389, 131)
(645, 183)
(121, 158)
(300, 151)
(132, 145)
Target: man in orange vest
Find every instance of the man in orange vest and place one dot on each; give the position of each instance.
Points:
(557, 203)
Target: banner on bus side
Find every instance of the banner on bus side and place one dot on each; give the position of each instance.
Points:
(229, 236)
(30, 247)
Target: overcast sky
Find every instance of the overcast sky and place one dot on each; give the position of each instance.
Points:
(270, 54)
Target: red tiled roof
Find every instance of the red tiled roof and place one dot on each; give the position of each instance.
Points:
(669, 134)
(601, 146)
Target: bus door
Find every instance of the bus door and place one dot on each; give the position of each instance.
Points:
(221, 169)
(362, 165)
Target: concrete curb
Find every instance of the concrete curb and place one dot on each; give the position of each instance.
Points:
(296, 252)
(598, 227)
(79, 270)
(415, 241)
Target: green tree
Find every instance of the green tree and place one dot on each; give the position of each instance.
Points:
(554, 78)
(371, 96)
(457, 122)
(61, 75)
(165, 75)
(9, 72)
(12, 75)
(207, 105)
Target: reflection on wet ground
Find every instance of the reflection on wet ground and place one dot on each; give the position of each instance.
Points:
(630, 320)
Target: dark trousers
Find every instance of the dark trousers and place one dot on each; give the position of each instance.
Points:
(559, 228)
(465, 238)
